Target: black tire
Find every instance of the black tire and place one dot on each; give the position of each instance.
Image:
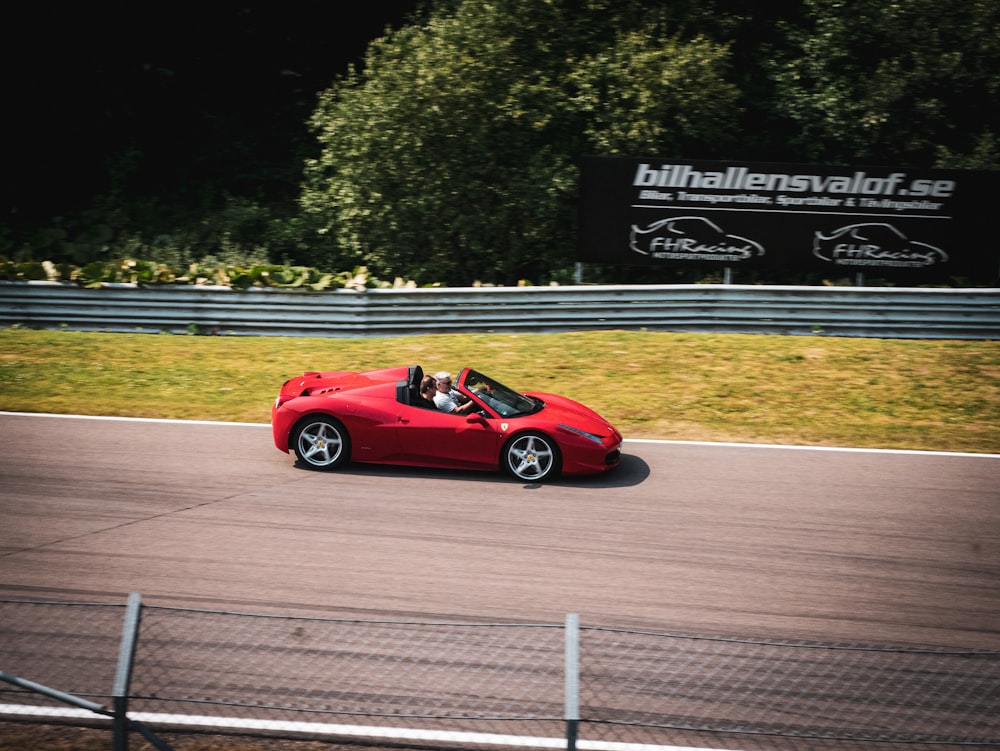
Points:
(321, 442)
(532, 457)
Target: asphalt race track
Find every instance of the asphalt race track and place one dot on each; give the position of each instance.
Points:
(830, 545)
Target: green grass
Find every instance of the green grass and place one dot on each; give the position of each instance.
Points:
(923, 394)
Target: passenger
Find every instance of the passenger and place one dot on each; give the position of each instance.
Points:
(450, 400)
(428, 389)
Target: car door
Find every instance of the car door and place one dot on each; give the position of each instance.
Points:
(434, 438)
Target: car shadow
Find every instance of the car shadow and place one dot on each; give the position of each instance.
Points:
(630, 471)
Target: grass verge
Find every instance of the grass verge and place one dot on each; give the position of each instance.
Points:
(829, 391)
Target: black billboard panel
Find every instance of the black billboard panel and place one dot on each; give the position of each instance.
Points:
(916, 226)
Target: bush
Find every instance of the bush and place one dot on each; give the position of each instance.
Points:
(151, 273)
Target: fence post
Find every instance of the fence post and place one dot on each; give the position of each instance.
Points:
(123, 675)
(572, 679)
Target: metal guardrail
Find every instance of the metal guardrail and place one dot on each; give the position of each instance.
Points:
(885, 312)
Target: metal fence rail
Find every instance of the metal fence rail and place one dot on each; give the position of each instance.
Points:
(471, 682)
(835, 311)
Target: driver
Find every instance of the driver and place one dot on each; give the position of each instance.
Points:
(450, 400)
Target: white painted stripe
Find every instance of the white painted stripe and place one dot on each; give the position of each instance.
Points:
(710, 444)
(323, 728)
(139, 419)
(63, 712)
(793, 447)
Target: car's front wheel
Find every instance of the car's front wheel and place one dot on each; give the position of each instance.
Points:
(321, 442)
(531, 457)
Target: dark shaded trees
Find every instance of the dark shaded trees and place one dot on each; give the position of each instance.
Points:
(909, 82)
(448, 153)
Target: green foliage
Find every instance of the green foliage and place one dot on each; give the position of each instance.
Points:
(453, 157)
(913, 82)
(148, 273)
(239, 233)
(647, 94)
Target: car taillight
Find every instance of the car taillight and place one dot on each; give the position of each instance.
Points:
(282, 398)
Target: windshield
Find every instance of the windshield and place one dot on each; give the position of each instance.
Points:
(506, 402)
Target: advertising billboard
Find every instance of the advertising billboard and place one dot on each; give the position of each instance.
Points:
(910, 226)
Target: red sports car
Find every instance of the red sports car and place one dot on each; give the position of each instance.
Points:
(328, 419)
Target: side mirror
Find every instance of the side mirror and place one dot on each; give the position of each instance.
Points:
(476, 419)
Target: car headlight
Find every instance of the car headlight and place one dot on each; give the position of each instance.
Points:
(584, 433)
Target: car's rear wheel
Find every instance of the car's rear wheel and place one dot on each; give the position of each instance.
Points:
(321, 442)
(532, 457)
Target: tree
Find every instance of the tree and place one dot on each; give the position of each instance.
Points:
(909, 82)
(454, 156)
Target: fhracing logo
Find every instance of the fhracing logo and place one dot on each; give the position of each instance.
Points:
(691, 238)
(875, 244)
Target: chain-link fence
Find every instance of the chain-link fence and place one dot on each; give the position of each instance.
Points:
(495, 684)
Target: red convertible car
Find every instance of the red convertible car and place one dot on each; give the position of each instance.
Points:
(328, 419)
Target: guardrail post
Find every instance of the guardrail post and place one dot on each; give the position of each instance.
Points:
(55, 693)
(572, 679)
(123, 675)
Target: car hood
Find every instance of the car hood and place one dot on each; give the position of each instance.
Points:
(559, 409)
